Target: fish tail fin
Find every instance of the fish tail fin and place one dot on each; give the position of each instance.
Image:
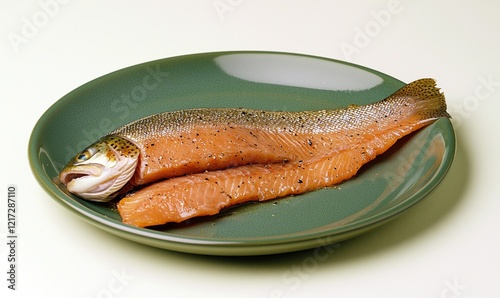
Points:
(429, 100)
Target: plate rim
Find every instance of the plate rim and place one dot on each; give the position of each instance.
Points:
(221, 246)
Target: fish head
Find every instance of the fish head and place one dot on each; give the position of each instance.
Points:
(101, 169)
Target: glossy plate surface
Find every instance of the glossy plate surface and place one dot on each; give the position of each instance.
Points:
(383, 189)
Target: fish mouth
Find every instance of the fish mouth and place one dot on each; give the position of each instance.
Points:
(72, 176)
(87, 180)
(69, 175)
(96, 182)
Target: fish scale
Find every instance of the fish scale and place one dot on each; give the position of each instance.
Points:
(183, 142)
(294, 152)
(195, 162)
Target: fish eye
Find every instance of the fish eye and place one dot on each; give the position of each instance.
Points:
(85, 155)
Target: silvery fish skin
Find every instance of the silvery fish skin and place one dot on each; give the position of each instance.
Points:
(178, 143)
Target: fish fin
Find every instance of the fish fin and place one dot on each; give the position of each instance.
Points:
(430, 100)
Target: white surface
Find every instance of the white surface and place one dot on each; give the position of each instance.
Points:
(447, 246)
(297, 71)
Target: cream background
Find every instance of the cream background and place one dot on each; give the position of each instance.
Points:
(446, 246)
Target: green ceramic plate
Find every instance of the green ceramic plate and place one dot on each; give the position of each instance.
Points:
(383, 189)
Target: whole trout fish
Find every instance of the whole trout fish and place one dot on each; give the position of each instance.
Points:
(196, 162)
